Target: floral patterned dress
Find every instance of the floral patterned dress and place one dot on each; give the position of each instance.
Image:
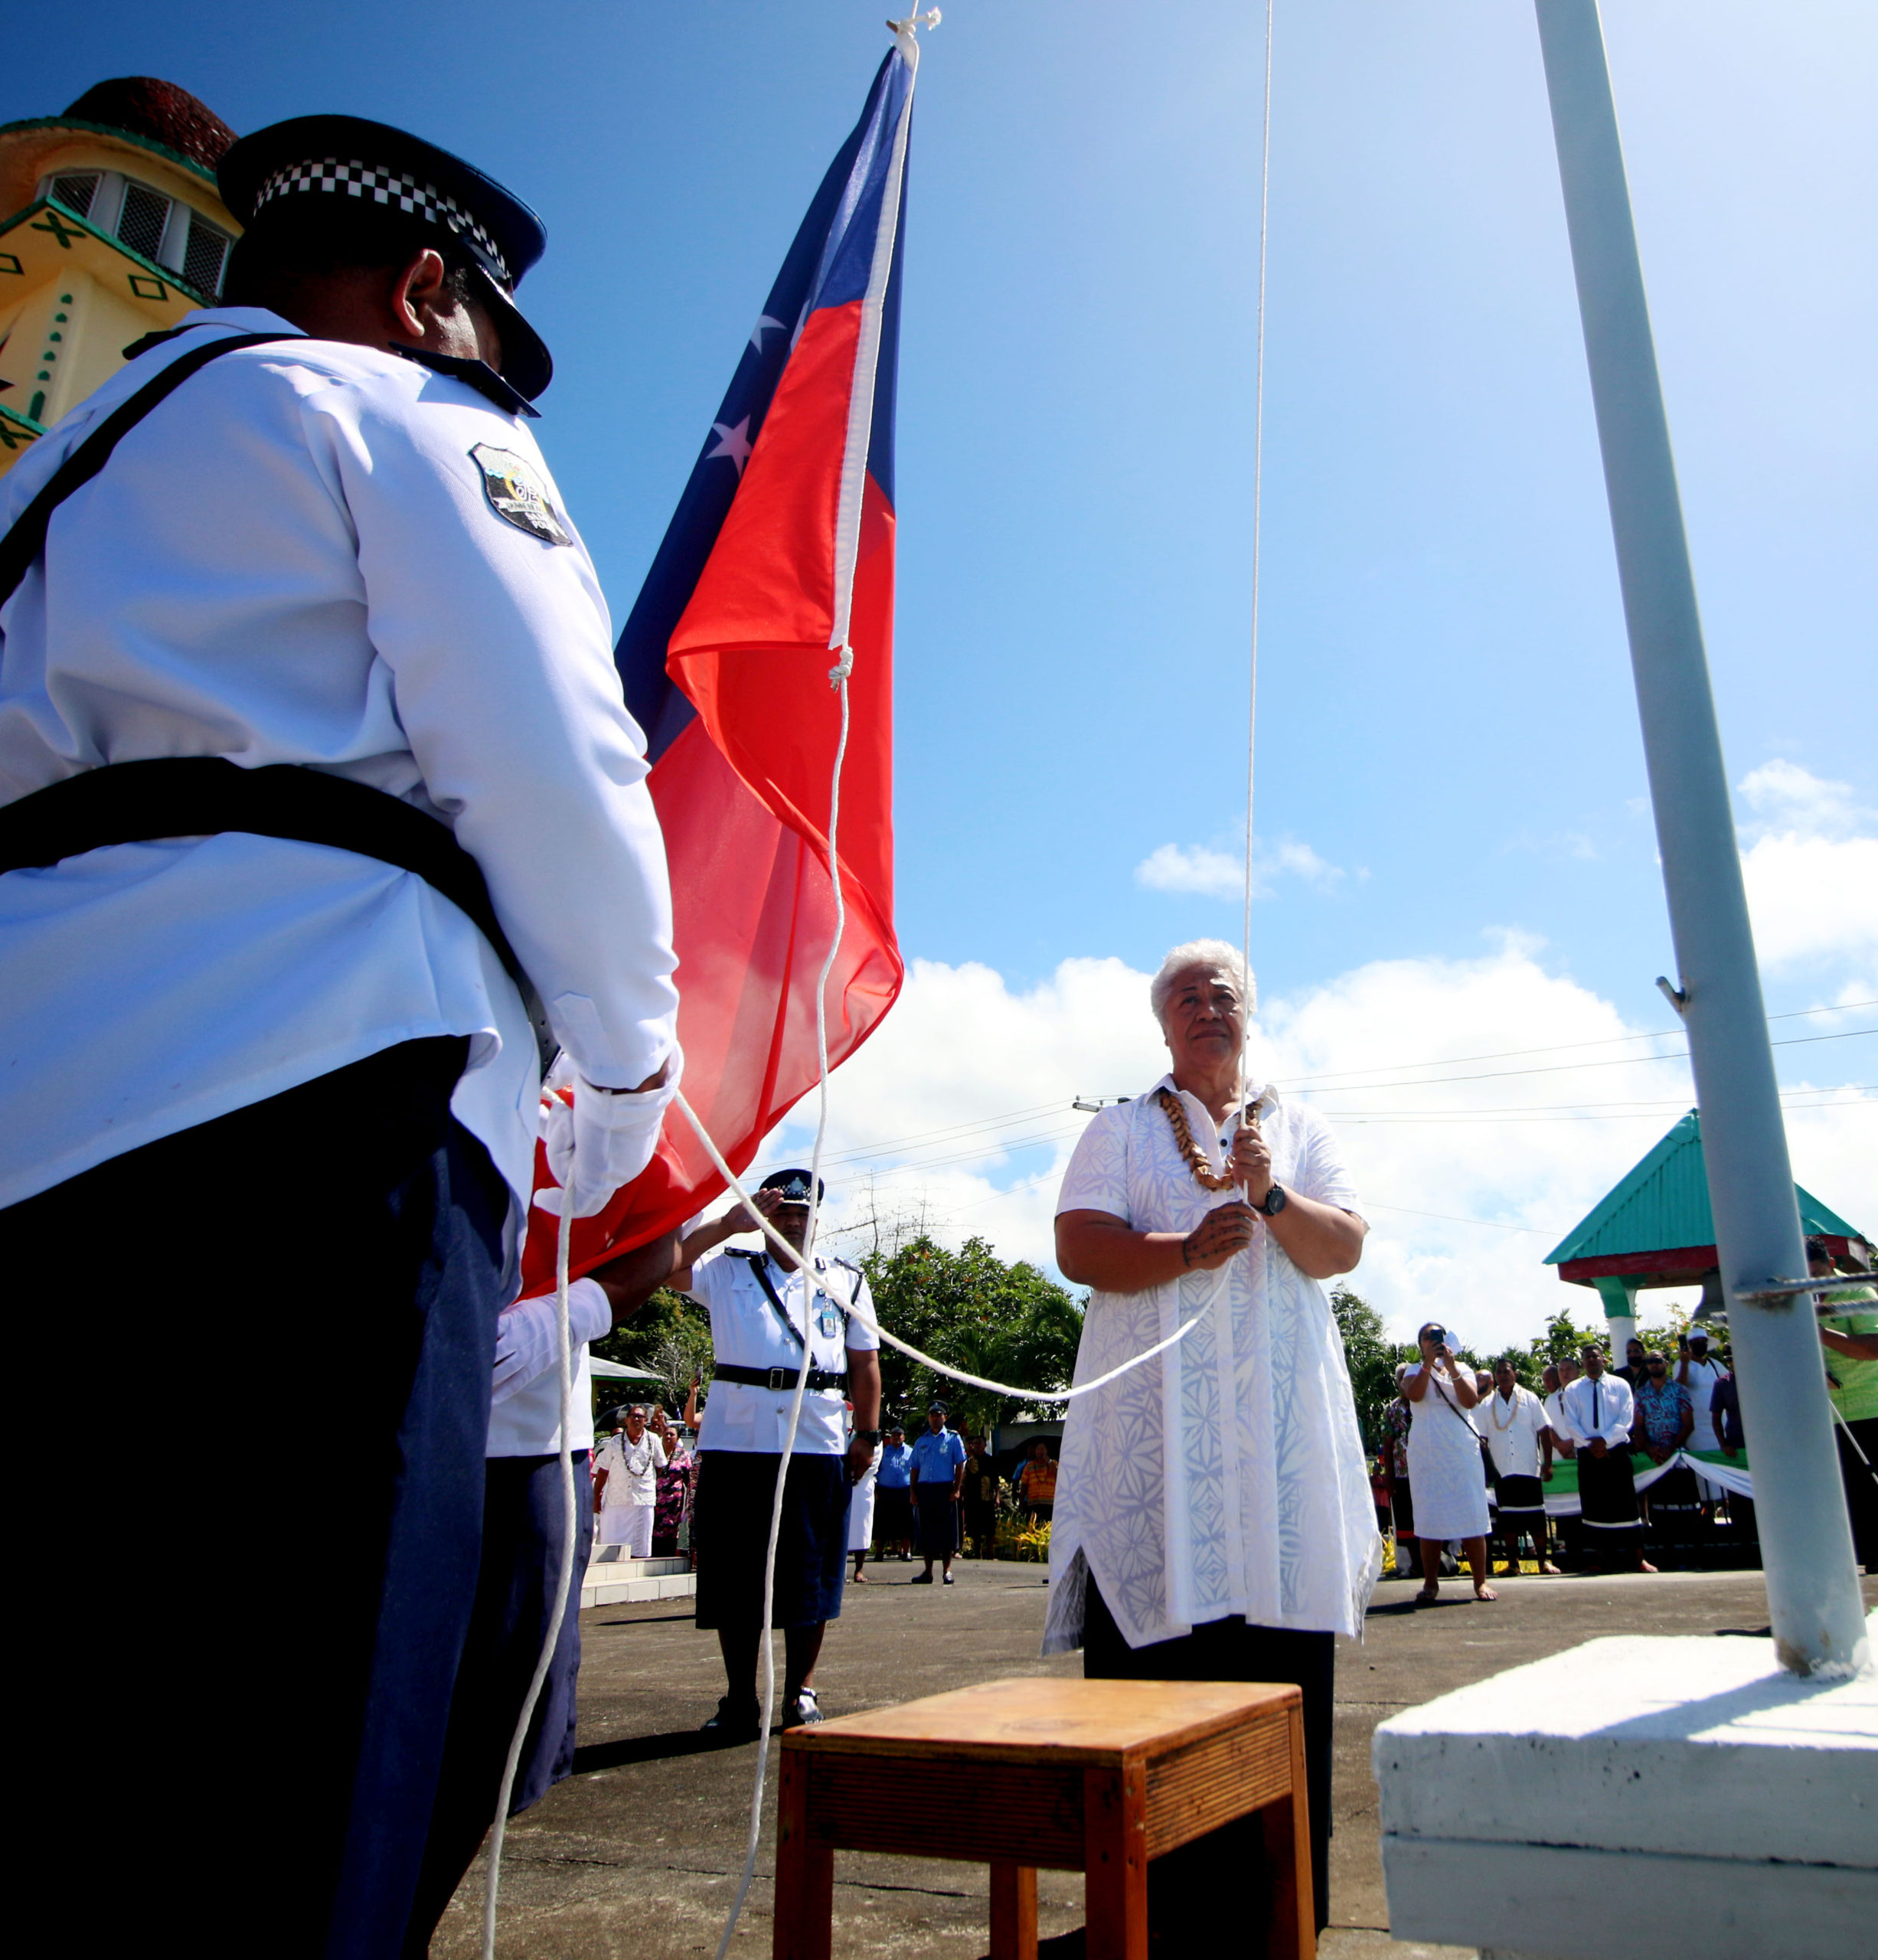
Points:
(671, 1509)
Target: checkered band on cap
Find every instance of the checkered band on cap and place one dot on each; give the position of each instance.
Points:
(384, 187)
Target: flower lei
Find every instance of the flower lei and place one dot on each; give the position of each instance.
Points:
(1196, 1158)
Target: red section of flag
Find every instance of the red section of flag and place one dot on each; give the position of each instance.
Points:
(744, 797)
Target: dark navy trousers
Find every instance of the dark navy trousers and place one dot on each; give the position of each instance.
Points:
(524, 1528)
(268, 1341)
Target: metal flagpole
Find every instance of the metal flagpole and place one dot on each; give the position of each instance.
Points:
(1806, 1544)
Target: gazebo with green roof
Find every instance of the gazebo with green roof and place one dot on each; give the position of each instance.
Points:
(1655, 1228)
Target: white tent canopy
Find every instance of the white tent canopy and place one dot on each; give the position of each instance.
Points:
(618, 1371)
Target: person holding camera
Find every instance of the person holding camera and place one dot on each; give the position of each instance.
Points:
(1443, 1462)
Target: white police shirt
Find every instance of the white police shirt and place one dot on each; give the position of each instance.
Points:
(299, 557)
(747, 1331)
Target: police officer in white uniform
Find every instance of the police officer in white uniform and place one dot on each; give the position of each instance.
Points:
(313, 763)
(761, 1317)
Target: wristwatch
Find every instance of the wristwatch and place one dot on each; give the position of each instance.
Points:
(868, 1436)
(1275, 1202)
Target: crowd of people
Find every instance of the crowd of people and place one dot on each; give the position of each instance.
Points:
(1467, 1455)
(646, 1470)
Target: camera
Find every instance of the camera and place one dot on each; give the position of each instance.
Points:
(1439, 1335)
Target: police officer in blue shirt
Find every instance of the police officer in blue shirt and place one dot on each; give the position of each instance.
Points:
(938, 1476)
(315, 768)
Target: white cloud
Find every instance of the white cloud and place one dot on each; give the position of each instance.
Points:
(1216, 873)
(1811, 868)
(1192, 868)
(1472, 1168)
(1786, 797)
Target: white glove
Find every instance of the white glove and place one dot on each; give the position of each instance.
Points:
(609, 1137)
(527, 1335)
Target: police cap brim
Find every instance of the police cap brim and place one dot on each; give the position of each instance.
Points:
(333, 160)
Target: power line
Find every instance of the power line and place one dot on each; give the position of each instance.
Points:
(1453, 1218)
(1567, 1068)
(1656, 1103)
(957, 1132)
(1562, 1047)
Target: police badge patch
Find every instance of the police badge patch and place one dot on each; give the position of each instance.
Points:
(517, 494)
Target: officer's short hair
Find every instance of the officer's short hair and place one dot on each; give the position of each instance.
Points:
(275, 261)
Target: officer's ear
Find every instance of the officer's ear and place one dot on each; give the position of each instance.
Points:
(419, 295)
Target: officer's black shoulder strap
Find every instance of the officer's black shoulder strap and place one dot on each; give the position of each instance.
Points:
(27, 539)
(759, 1264)
(200, 795)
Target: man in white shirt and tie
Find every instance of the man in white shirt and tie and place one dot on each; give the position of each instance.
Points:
(1598, 1407)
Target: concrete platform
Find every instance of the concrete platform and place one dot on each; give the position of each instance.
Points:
(1687, 1769)
(612, 1579)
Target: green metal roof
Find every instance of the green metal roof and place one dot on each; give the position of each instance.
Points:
(1663, 1204)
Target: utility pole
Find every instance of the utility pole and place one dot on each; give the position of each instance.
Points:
(1806, 1543)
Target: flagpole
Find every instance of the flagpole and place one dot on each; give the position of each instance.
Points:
(1806, 1545)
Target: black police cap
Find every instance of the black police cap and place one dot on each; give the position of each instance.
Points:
(794, 1186)
(323, 160)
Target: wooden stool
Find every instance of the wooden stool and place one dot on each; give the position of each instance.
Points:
(1091, 1776)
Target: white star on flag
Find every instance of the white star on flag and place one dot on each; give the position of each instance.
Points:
(756, 332)
(734, 443)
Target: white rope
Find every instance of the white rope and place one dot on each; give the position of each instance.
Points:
(790, 1255)
(1258, 491)
(563, 1355)
(906, 33)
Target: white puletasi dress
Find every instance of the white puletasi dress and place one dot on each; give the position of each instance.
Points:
(1444, 1470)
(1225, 1475)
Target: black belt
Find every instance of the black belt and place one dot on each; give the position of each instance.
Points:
(200, 795)
(782, 1379)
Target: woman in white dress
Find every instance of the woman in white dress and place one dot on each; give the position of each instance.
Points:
(1443, 1462)
(861, 1511)
(1214, 1520)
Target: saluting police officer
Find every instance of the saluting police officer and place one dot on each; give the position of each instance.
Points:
(314, 763)
(763, 1315)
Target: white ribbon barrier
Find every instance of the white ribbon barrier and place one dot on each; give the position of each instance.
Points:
(1733, 1477)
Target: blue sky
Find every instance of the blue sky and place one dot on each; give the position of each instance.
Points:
(1450, 780)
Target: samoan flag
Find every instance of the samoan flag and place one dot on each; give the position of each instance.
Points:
(780, 554)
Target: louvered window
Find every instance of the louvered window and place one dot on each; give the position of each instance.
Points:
(205, 256)
(145, 212)
(76, 191)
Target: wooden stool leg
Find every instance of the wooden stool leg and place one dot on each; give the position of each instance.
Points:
(805, 1909)
(1115, 1870)
(1287, 1828)
(1014, 1912)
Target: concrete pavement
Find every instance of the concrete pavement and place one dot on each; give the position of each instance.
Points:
(637, 1857)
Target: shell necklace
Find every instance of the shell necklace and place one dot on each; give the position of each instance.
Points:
(1494, 1412)
(1196, 1159)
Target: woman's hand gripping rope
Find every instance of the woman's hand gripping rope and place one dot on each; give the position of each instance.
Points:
(789, 1256)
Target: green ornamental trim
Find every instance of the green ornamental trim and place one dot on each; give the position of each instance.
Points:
(130, 136)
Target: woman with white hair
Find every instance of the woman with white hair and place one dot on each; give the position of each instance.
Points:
(1213, 1516)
